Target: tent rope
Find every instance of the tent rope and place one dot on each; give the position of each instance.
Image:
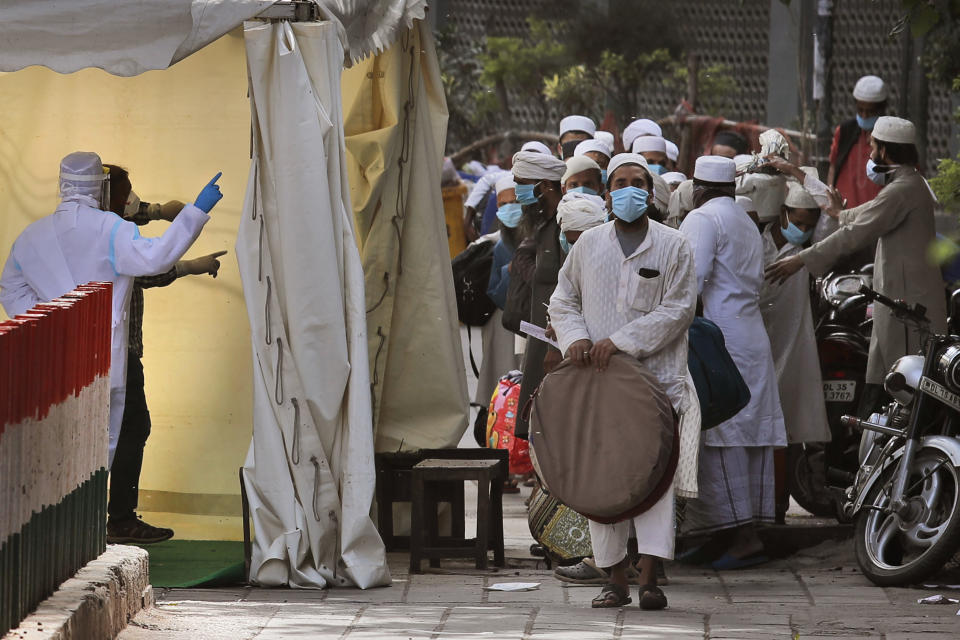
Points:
(295, 448)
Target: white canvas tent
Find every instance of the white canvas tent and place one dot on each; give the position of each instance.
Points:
(309, 469)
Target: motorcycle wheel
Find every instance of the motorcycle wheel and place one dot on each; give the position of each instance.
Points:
(893, 550)
(807, 480)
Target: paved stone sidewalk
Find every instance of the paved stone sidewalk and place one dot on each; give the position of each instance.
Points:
(817, 593)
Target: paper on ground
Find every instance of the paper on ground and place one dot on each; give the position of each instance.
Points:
(513, 586)
(539, 333)
(937, 599)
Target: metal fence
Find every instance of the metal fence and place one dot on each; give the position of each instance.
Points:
(54, 412)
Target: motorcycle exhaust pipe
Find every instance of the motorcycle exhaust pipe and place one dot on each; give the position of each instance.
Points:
(853, 422)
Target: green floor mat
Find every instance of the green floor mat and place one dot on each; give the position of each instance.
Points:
(195, 563)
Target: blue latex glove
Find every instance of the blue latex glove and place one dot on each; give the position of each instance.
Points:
(210, 195)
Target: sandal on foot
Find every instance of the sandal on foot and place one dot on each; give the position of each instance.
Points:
(613, 596)
(652, 598)
(584, 572)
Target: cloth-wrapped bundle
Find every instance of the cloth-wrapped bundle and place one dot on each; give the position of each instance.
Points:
(604, 443)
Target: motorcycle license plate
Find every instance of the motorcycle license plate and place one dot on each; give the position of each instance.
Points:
(839, 390)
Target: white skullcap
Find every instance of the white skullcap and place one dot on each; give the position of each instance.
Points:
(81, 174)
(533, 165)
(673, 151)
(746, 203)
(799, 198)
(624, 158)
(896, 130)
(606, 138)
(475, 168)
(637, 128)
(811, 171)
(673, 177)
(580, 211)
(649, 143)
(576, 164)
(591, 145)
(577, 123)
(870, 89)
(536, 145)
(506, 182)
(715, 169)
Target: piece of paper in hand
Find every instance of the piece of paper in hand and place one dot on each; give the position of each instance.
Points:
(513, 586)
(539, 333)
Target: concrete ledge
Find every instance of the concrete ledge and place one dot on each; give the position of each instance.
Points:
(96, 603)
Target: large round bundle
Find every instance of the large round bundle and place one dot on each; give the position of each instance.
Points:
(605, 443)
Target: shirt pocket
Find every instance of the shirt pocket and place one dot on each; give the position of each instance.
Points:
(646, 292)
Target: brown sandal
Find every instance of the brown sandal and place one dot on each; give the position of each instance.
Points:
(652, 598)
(612, 596)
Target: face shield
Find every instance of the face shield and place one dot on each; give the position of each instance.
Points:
(82, 175)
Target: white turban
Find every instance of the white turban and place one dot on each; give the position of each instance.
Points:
(576, 164)
(673, 177)
(533, 165)
(772, 142)
(580, 211)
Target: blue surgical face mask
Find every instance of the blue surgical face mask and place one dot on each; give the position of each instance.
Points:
(658, 169)
(510, 214)
(603, 176)
(586, 190)
(564, 243)
(525, 195)
(866, 123)
(878, 172)
(629, 203)
(793, 235)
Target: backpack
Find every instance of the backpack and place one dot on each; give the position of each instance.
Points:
(720, 387)
(502, 422)
(471, 274)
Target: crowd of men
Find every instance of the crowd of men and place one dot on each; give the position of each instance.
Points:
(617, 252)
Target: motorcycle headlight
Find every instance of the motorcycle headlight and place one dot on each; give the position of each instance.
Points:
(840, 287)
(949, 367)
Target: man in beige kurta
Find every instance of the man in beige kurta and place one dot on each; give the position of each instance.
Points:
(900, 219)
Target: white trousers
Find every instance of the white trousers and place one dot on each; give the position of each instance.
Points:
(118, 397)
(655, 529)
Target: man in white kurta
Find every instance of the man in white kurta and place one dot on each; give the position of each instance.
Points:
(80, 243)
(736, 459)
(613, 296)
(789, 321)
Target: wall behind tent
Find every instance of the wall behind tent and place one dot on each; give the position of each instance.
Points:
(173, 130)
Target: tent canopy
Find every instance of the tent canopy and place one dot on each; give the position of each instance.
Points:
(130, 37)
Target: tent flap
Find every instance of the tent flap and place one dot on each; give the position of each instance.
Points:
(310, 471)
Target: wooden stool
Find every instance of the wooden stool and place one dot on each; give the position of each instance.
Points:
(425, 540)
(395, 475)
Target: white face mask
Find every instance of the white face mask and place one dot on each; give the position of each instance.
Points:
(879, 177)
(132, 206)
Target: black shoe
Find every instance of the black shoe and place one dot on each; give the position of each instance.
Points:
(136, 531)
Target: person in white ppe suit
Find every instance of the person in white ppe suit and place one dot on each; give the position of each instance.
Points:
(736, 479)
(80, 242)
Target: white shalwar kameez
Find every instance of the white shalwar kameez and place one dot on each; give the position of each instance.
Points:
(79, 243)
(600, 294)
(736, 459)
(789, 321)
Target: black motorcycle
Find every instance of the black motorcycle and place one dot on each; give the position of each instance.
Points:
(817, 473)
(906, 493)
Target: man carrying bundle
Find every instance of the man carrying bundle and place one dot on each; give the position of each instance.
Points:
(630, 286)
